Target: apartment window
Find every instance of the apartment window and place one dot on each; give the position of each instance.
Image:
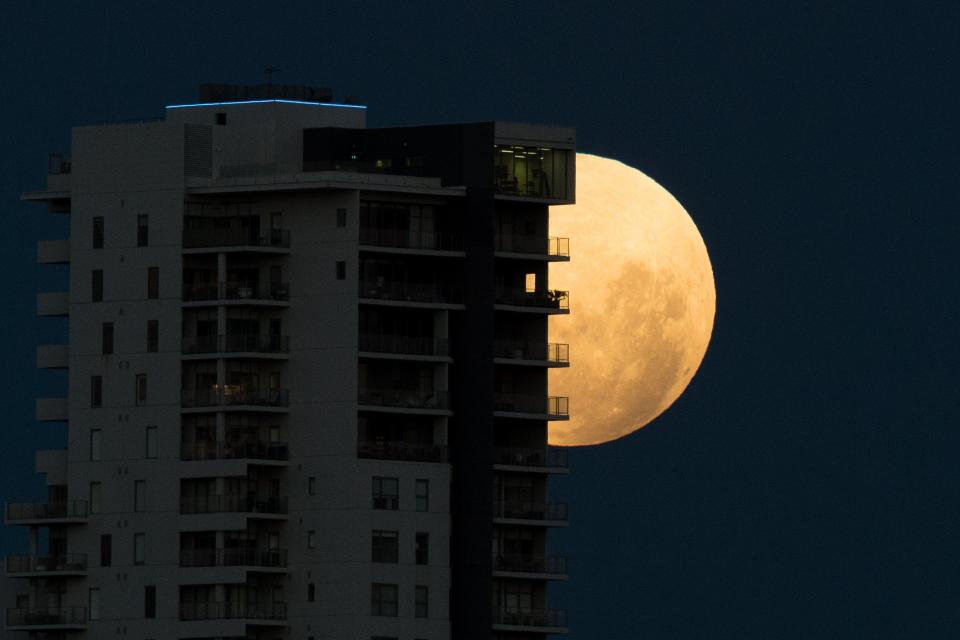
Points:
(311, 539)
(386, 547)
(106, 550)
(423, 495)
(96, 502)
(139, 495)
(93, 604)
(221, 118)
(420, 599)
(96, 440)
(312, 486)
(153, 283)
(139, 548)
(341, 217)
(530, 283)
(341, 270)
(98, 232)
(96, 391)
(383, 599)
(150, 601)
(141, 394)
(153, 336)
(107, 338)
(386, 493)
(151, 444)
(422, 547)
(311, 592)
(96, 285)
(143, 230)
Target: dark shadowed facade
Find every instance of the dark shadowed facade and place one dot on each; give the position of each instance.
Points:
(307, 368)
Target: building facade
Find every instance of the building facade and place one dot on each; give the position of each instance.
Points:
(307, 379)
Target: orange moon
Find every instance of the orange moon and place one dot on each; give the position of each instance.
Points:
(642, 302)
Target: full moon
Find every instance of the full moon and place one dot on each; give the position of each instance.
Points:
(642, 302)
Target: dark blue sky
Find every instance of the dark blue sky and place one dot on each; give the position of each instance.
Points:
(807, 484)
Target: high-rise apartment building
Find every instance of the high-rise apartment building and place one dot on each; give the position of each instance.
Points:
(307, 378)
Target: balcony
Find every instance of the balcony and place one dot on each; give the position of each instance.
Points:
(404, 345)
(52, 619)
(53, 252)
(196, 611)
(236, 293)
(53, 356)
(54, 304)
(547, 513)
(387, 450)
(267, 559)
(551, 248)
(411, 400)
(47, 566)
(411, 292)
(551, 354)
(549, 301)
(549, 567)
(47, 513)
(548, 459)
(234, 503)
(52, 409)
(235, 398)
(530, 620)
(529, 406)
(257, 450)
(408, 239)
(243, 345)
(215, 237)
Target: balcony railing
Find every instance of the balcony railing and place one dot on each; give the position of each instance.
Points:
(41, 564)
(270, 558)
(411, 291)
(537, 245)
(235, 343)
(235, 236)
(47, 510)
(233, 291)
(549, 299)
(519, 510)
(193, 611)
(555, 352)
(407, 239)
(51, 617)
(550, 457)
(519, 403)
(257, 450)
(407, 345)
(555, 565)
(199, 398)
(403, 398)
(233, 503)
(387, 450)
(554, 618)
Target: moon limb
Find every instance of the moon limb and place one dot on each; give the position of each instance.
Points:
(643, 302)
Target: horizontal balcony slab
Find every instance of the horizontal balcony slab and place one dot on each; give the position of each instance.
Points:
(53, 356)
(53, 304)
(53, 252)
(52, 409)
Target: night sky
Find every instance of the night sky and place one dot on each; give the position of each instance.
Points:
(807, 484)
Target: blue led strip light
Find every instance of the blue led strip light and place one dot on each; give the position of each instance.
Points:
(220, 104)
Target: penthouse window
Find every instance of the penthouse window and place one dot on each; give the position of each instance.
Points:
(534, 172)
